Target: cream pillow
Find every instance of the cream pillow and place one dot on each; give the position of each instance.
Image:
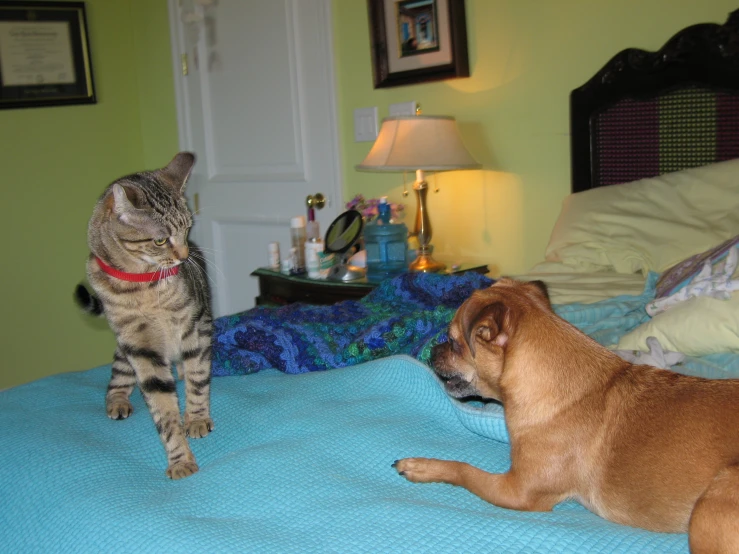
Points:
(650, 224)
(696, 327)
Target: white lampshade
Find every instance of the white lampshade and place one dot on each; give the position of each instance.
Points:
(427, 142)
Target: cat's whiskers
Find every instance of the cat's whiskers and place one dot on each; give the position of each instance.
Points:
(199, 269)
(209, 250)
(162, 272)
(200, 210)
(207, 256)
(207, 261)
(203, 252)
(161, 282)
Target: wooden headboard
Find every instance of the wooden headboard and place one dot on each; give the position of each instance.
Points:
(647, 113)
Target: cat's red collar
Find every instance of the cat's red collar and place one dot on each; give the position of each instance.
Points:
(157, 275)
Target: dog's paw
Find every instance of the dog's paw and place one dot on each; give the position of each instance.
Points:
(425, 470)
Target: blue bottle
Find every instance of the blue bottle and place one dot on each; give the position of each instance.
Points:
(387, 247)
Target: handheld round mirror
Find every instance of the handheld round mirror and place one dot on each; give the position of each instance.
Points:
(344, 232)
(341, 236)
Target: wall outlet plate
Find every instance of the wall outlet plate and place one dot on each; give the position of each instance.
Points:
(365, 124)
(403, 108)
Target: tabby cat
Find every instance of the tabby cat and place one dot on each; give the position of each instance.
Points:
(152, 287)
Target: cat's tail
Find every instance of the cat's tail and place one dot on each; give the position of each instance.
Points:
(87, 301)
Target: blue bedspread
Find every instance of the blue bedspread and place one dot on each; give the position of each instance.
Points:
(297, 463)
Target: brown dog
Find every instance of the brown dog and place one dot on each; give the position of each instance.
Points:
(635, 444)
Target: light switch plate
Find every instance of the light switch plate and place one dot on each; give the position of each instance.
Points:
(403, 108)
(365, 124)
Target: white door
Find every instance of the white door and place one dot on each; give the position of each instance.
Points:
(257, 106)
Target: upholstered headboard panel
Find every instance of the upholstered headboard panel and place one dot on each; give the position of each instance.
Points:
(647, 113)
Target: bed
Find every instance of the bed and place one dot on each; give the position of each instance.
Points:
(312, 404)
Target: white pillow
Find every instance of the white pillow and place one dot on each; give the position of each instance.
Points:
(650, 224)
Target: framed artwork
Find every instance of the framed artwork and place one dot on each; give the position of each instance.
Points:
(417, 41)
(44, 55)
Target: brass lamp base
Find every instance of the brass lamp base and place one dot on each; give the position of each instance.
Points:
(424, 263)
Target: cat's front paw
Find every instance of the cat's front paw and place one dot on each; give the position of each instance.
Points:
(118, 408)
(182, 469)
(198, 428)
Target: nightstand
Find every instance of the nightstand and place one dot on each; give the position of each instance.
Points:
(278, 289)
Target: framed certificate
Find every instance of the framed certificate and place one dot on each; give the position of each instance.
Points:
(44, 55)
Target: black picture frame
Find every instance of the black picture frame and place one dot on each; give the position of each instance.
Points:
(44, 55)
(384, 52)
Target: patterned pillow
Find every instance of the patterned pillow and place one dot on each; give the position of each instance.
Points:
(682, 273)
(697, 326)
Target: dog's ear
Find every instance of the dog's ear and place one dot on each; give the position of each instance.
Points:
(542, 288)
(488, 324)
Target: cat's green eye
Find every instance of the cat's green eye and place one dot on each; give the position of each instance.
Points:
(160, 242)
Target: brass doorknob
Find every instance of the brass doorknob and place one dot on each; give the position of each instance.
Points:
(317, 201)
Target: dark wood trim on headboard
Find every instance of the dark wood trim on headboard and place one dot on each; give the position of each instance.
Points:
(705, 54)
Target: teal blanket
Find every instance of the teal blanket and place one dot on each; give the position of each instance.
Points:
(297, 463)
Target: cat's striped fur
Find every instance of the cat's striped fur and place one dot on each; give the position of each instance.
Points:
(140, 225)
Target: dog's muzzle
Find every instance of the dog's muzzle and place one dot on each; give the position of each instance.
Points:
(454, 382)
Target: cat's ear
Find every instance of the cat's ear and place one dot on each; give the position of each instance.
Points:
(179, 169)
(119, 202)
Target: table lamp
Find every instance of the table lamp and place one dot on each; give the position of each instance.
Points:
(419, 143)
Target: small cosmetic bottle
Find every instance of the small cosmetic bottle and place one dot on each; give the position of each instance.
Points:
(274, 255)
(313, 246)
(297, 238)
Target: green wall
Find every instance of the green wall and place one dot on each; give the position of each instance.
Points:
(525, 57)
(55, 163)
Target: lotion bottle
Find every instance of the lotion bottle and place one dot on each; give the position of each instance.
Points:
(297, 238)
